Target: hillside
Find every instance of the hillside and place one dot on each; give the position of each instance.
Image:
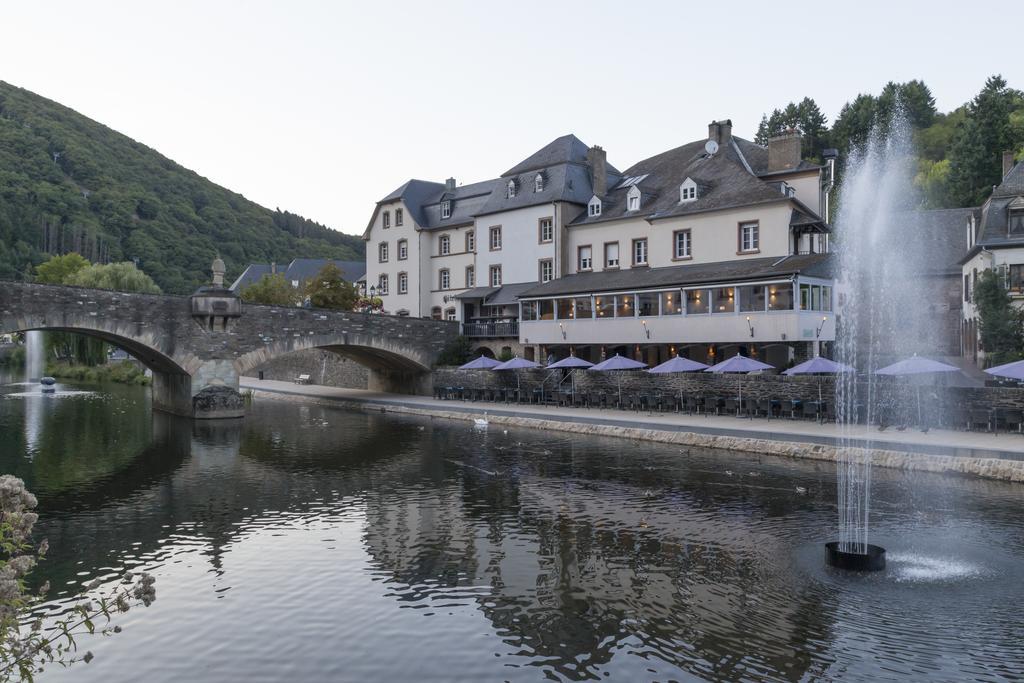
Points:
(68, 183)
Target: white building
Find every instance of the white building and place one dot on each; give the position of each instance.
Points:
(714, 246)
(995, 240)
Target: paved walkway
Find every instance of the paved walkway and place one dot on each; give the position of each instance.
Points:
(935, 442)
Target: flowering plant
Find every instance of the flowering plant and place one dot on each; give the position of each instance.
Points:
(26, 643)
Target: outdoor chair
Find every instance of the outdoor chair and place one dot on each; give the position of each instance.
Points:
(749, 407)
(976, 417)
(810, 410)
(732, 406)
(596, 399)
(764, 405)
(710, 405)
(1013, 420)
(789, 408)
(830, 412)
(578, 400)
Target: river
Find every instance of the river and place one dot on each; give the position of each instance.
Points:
(308, 543)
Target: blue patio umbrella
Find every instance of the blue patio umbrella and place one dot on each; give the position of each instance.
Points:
(678, 364)
(739, 365)
(1014, 370)
(480, 363)
(516, 364)
(570, 363)
(819, 366)
(617, 362)
(916, 365)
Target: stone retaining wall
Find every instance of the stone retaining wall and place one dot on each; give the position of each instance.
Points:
(987, 468)
(323, 367)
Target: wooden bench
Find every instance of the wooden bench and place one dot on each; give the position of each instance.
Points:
(302, 379)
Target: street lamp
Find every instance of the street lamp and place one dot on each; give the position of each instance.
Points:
(817, 332)
(750, 326)
(646, 331)
(373, 291)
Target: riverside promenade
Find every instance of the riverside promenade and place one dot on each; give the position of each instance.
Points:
(994, 456)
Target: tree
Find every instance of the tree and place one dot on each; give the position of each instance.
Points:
(59, 269)
(120, 277)
(1000, 324)
(273, 290)
(328, 289)
(805, 118)
(456, 352)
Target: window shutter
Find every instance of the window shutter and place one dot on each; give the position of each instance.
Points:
(1004, 275)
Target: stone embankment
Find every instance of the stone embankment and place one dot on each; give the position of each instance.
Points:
(982, 461)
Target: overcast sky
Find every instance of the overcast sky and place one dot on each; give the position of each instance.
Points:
(322, 108)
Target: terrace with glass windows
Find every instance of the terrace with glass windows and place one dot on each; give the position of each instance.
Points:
(754, 302)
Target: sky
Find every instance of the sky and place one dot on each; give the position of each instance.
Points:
(322, 108)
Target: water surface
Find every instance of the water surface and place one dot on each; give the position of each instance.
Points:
(313, 544)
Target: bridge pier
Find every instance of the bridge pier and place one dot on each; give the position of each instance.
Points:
(210, 393)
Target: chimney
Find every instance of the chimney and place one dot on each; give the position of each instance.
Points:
(597, 159)
(784, 151)
(449, 185)
(720, 131)
(1007, 162)
(273, 268)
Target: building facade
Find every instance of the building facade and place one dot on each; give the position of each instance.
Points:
(712, 247)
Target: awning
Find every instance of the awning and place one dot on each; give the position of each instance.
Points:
(506, 295)
(477, 293)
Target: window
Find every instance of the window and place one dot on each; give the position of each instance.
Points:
(382, 284)
(646, 304)
(382, 252)
(546, 229)
(682, 240)
(611, 255)
(749, 239)
(584, 259)
(495, 276)
(780, 297)
(547, 270)
(470, 276)
(1016, 284)
(687, 191)
(471, 240)
(594, 207)
(722, 300)
(495, 238)
(566, 309)
(625, 304)
(403, 250)
(696, 301)
(444, 245)
(403, 283)
(633, 199)
(444, 278)
(604, 306)
(1016, 219)
(386, 220)
(511, 189)
(752, 298)
(584, 308)
(399, 216)
(546, 309)
(671, 303)
(640, 252)
(538, 183)
(449, 314)
(967, 287)
(446, 209)
(528, 310)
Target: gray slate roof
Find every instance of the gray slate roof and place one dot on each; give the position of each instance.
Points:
(993, 224)
(814, 265)
(949, 228)
(723, 180)
(300, 269)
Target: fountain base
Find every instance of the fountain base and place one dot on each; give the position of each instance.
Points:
(47, 385)
(871, 561)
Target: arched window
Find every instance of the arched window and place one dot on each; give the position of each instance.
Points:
(538, 183)
(449, 314)
(446, 209)
(511, 189)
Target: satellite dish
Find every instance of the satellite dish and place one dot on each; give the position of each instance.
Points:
(710, 147)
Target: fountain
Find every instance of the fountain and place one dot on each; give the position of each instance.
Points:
(34, 362)
(881, 262)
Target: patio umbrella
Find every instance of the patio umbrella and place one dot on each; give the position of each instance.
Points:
(614, 363)
(916, 365)
(677, 364)
(740, 365)
(480, 363)
(516, 364)
(819, 366)
(570, 363)
(1014, 370)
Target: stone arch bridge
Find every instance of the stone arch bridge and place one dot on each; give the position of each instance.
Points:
(197, 346)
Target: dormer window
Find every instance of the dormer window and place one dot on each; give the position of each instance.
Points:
(687, 191)
(446, 209)
(511, 189)
(594, 207)
(633, 199)
(1015, 217)
(538, 183)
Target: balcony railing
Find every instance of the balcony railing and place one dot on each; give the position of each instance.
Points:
(503, 328)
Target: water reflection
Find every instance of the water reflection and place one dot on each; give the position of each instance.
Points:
(409, 549)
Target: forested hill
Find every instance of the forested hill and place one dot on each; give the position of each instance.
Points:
(68, 183)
